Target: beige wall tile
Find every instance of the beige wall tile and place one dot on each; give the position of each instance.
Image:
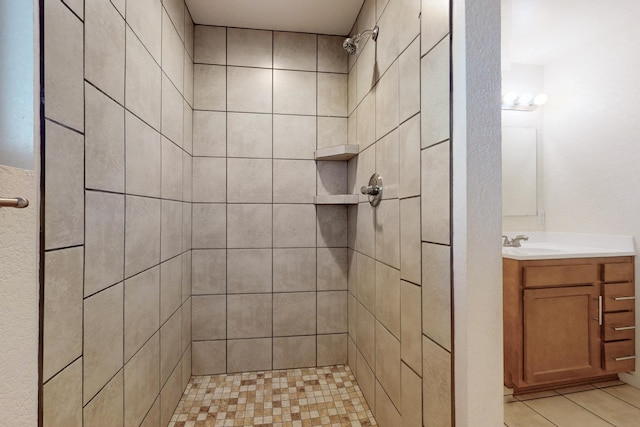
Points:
(352, 100)
(141, 309)
(411, 326)
(332, 269)
(142, 234)
(352, 216)
(332, 131)
(294, 92)
(409, 158)
(409, 78)
(366, 287)
(189, 30)
(64, 211)
(145, 19)
(107, 408)
(186, 276)
(435, 23)
(103, 338)
(104, 36)
(171, 229)
(170, 287)
(294, 352)
(294, 314)
(332, 226)
(152, 419)
(408, 18)
(143, 158)
(209, 179)
(294, 51)
(366, 77)
(77, 6)
(294, 269)
(294, 226)
(365, 223)
(62, 398)
(436, 194)
(366, 166)
(387, 47)
(171, 170)
(352, 321)
(170, 396)
(172, 111)
(332, 312)
(352, 270)
(436, 393)
(187, 178)
(294, 181)
(251, 48)
(331, 57)
(249, 135)
(435, 76)
(209, 271)
(104, 241)
(63, 304)
(332, 94)
(209, 357)
(186, 313)
(172, 53)
(352, 353)
(249, 316)
(210, 45)
(143, 81)
(436, 293)
(332, 349)
(410, 240)
(188, 79)
(249, 180)
(386, 413)
(211, 81)
(249, 355)
(63, 62)
(209, 226)
(176, 11)
(388, 232)
(387, 116)
(367, 381)
(249, 271)
(209, 133)
(387, 164)
(249, 89)
(249, 226)
(365, 334)
(208, 318)
(332, 177)
(294, 137)
(170, 346)
(365, 124)
(388, 297)
(186, 368)
(141, 382)
(411, 407)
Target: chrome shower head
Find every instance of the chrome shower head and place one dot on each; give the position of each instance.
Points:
(350, 45)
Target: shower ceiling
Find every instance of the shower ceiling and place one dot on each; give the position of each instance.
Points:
(307, 16)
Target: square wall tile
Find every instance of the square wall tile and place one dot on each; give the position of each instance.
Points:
(170, 396)
(104, 241)
(411, 406)
(211, 81)
(141, 234)
(249, 355)
(210, 45)
(365, 167)
(64, 211)
(249, 180)
(411, 327)
(436, 189)
(249, 316)
(62, 397)
(250, 48)
(387, 156)
(145, 19)
(188, 80)
(171, 229)
(249, 226)
(332, 94)
(209, 133)
(143, 82)
(209, 226)
(186, 226)
(388, 297)
(189, 30)
(436, 293)
(294, 137)
(332, 131)
(176, 11)
(77, 6)
(366, 287)
(388, 363)
(294, 270)
(186, 276)
(172, 53)
(294, 226)
(142, 382)
(332, 349)
(186, 312)
(332, 177)
(107, 408)
(436, 393)
(294, 352)
(410, 240)
(209, 357)
(249, 135)
(170, 346)
(332, 312)
(331, 57)
(103, 339)
(143, 158)
(294, 51)
(366, 380)
(387, 116)
(249, 90)
(435, 23)
(388, 232)
(209, 179)
(294, 314)
(208, 314)
(366, 235)
(63, 294)
(366, 69)
(352, 271)
(409, 80)
(409, 158)
(332, 269)
(365, 334)
(172, 111)
(141, 309)
(435, 92)
(294, 92)
(249, 271)
(171, 170)
(386, 413)
(170, 287)
(332, 226)
(187, 177)
(294, 181)
(152, 418)
(365, 121)
(387, 48)
(209, 271)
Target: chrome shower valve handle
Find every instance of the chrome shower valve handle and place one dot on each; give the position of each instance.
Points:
(373, 190)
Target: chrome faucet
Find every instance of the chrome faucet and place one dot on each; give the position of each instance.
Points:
(513, 243)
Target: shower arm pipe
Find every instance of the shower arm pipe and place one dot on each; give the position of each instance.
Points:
(374, 34)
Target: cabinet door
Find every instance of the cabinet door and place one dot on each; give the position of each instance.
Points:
(561, 334)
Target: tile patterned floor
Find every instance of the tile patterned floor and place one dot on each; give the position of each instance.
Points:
(592, 405)
(327, 396)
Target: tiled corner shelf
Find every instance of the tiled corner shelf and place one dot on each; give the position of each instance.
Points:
(339, 152)
(337, 199)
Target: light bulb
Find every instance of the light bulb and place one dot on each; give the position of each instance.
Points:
(541, 99)
(525, 99)
(509, 98)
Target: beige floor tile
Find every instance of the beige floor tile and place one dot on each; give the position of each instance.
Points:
(575, 389)
(625, 392)
(537, 395)
(563, 412)
(517, 414)
(612, 409)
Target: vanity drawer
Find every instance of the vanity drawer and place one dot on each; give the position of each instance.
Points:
(560, 275)
(619, 356)
(618, 297)
(618, 272)
(619, 326)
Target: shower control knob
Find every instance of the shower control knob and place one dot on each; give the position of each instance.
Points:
(372, 190)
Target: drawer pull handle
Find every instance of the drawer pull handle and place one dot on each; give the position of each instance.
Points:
(620, 359)
(622, 298)
(623, 328)
(600, 310)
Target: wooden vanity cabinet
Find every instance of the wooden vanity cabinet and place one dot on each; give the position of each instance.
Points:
(567, 321)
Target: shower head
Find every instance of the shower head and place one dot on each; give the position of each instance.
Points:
(350, 45)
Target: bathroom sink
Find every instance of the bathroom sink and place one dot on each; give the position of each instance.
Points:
(533, 250)
(554, 251)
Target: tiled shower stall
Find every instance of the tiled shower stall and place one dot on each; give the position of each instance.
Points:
(181, 231)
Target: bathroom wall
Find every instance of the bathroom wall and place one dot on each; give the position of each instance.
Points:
(269, 267)
(399, 253)
(117, 195)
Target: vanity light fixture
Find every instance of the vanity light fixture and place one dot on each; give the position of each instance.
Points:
(524, 101)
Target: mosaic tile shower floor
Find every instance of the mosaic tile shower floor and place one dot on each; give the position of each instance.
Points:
(327, 396)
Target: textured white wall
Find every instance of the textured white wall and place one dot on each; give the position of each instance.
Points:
(592, 150)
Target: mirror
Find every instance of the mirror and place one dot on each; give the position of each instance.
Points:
(519, 165)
